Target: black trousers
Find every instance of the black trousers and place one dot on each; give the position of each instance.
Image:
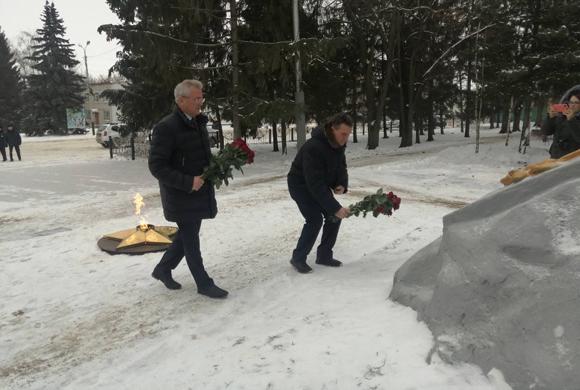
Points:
(186, 243)
(17, 151)
(3, 152)
(313, 215)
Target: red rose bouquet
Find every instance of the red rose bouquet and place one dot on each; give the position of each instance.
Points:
(377, 203)
(233, 155)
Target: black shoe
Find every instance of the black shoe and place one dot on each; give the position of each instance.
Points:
(329, 263)
(213, 291)
(301, 267)
(165, 278)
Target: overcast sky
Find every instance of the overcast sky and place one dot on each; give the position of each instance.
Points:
(81, 19)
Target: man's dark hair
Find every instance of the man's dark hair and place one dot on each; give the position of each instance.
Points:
(337, 120)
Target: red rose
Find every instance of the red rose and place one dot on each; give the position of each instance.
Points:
(243, 146)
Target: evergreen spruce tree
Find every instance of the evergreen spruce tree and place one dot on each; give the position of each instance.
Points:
(54, 86)
(164, 44)
(10, 85)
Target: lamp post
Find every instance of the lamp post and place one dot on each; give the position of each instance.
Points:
(85, 54)
(300, 120)
(87, 78)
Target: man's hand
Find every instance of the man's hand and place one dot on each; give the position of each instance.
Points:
(197, 183)
(339, 190)
(342, 213)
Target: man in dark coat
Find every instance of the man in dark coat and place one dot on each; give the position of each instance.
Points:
(179, 152)
(14, 140)
(318, 170)
(565, 128)
(3, 144)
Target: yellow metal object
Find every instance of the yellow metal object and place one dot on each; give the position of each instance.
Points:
(120, 235)
(143, 235)
(536, 168)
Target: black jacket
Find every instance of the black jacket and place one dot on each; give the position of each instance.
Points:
(13, 138)
(549, 124)
(179, 151)
(2, 139)
(566, 135)
(317, 169)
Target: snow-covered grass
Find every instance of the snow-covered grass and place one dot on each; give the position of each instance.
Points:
(75, 317)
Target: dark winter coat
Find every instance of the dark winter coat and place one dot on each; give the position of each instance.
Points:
(549, 124)
(13, 138)
(566, 135)
(317, 169)
(3, 143)
(179, 151)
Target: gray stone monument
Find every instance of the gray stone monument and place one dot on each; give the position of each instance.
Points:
(501, 287)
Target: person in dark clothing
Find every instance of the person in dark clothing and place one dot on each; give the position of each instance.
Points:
(549, 123)
(318, 170)
(565, 128)
(13, 140)
(179, 152)
(3, 144)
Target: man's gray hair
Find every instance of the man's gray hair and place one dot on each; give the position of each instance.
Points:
(184, 88)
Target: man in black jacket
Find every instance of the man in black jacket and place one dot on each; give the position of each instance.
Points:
(318, 170)
(179, 152)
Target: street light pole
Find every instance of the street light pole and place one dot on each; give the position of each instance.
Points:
(86, 64)
(87, 80)
(300, 120)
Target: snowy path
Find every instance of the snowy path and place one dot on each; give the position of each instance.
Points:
(74, 317)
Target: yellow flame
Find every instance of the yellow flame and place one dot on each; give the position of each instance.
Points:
(138, 202)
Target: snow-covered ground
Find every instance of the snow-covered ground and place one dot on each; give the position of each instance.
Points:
(73, 317)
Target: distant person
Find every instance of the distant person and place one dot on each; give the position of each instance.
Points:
(3, 144)
(13, 139)
(179, 152)
(318, 171)
(565, 127)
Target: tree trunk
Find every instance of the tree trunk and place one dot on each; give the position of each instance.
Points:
(405, 131)
(539, 106)
(468, 93)
(510, 110)
(517, 116)
(387, 71)
(385, 127)
(220, 129)
(411, 94)
(284, 145)
(371, 102)
(235, 70)
(527, 114)
(275, 137)
(354, 111)
(505, 118)
(418, 128)
(441, 116)
(461, 106)
(430, 122)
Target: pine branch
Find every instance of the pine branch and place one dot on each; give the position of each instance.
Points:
(454, 46)
(165, 36)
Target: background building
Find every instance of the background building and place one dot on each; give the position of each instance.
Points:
(98, 110)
